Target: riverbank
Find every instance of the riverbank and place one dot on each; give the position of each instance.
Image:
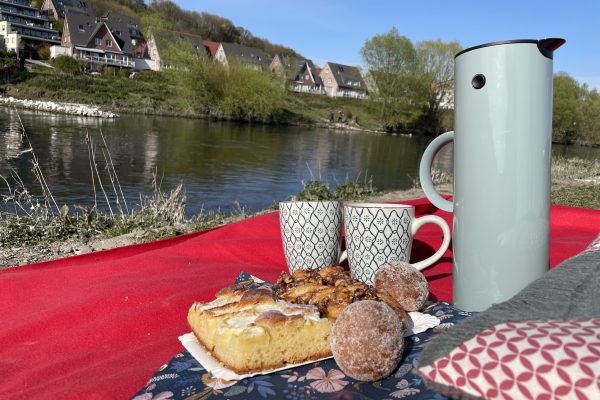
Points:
(150, 93)
(571, 190)
(22, 255)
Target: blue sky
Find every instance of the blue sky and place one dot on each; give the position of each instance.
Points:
(335, 30)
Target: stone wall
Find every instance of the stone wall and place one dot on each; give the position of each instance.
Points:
(62, 108)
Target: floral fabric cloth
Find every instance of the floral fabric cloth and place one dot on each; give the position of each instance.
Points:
(184, 378)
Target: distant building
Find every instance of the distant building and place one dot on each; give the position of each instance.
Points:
(343, 81)
(56, 8)
(211, 47)
(302, 74)
(283, 65)
(23, 29)
(444, 93)
(111, 39)
(231, 53)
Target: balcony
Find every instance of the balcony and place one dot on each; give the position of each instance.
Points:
(102, 59)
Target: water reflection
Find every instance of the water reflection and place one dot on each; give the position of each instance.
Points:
(218, 163)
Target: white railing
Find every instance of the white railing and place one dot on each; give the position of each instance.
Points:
(307, 89)
(105, 60)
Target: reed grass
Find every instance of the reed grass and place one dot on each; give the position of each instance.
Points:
(30, 220)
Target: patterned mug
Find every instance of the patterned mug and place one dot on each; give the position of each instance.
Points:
(311, 233)
(377, 233)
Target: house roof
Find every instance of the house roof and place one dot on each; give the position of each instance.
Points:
(60, 5)
(312, 68)
(80, 26)
(211, 47)
(83, 26)
(347, 75)
(296, 65)
(245, 54)
(195, 40)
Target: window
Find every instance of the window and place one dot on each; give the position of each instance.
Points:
(108, 43)
(118, 33)
(81, 29)
(98, 41)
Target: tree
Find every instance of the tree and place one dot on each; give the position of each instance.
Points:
(589, 127)
(567, 111)
(436, 68)
(152, 23)
(391, 61)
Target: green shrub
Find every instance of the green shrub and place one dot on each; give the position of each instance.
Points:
(354, 190)
(66, 65)
(150, 76)
(252, 94)
(313, 191)
(318, 190)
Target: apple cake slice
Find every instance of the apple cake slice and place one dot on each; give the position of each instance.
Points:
(250, 330)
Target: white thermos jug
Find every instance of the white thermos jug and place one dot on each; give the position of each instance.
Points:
(502, 156)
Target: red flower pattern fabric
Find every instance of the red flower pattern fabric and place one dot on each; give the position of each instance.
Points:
(525, 359)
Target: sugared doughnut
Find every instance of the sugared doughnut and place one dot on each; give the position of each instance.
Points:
(367, 340)
(404, 283)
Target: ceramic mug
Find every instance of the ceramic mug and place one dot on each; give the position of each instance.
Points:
(311, 233)
(377, 233)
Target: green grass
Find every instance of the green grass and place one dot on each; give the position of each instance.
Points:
(150, 92)
(587, 196)
(576, 182)
(315, 108)
(146, 93)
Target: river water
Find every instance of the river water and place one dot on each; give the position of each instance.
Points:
(220, 164)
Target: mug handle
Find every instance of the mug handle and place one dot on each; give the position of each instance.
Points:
(425, 171)
(433, 219)
(343, 256)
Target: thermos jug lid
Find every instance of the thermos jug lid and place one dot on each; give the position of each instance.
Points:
(545, 46)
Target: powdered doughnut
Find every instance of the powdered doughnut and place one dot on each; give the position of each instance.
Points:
(367, 340)
(406, 284)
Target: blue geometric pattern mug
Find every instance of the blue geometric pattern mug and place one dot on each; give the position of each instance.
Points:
(377, 233)
(311, 233)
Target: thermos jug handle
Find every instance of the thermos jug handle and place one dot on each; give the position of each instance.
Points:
(425, 171)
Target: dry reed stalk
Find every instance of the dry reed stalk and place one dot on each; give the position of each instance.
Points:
(111, 167)
(37, 170)
(94, 167)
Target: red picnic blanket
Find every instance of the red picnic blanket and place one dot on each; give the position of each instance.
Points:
(97, 326)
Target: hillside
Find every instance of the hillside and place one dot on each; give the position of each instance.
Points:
(166, 15)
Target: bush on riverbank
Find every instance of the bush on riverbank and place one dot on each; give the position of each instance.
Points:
(66, 65)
